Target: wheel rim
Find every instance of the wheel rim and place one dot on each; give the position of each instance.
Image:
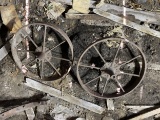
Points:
(50, 51)
(111, 77)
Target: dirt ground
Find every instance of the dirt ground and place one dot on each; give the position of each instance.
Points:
(14, 93)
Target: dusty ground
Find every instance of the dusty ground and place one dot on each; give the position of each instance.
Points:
(13, 92)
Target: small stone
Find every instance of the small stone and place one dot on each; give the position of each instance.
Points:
(41, 4)
(107, 118)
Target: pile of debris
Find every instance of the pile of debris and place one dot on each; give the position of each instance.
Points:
(91, 13)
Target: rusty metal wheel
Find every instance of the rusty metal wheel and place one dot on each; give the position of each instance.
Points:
(42, 51)
(111, 67)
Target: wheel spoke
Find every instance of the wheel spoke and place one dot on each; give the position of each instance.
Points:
(104, 88)
(87, 66)
(42, 62)
(130, 74)
(99, 54)
(62, 59)
(130, 60)
(44, 39)
(119, 84)
(116, 54)
(56, 46)
(26, 34)
(26, 51)
(31, 62)
(54, 67)
(92, 80)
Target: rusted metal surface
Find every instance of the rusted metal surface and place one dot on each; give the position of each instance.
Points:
(128, 23)
(69, 98)
(105, 79)
(47, 52)
(19, 109)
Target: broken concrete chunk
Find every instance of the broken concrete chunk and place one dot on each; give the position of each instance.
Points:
(10, 18)
(30, 114)
(81, 5)
(54, 10)
(110, 104)
(62, 113)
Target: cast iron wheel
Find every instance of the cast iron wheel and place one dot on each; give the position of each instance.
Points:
(107, 71)
(49, 54)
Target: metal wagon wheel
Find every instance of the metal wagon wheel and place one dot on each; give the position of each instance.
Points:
(49, 55)
(110, 71)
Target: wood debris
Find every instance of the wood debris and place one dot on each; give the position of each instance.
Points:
(138, 108)
(18, 109)
(146, 115)
(54, 10)
(81, 5)
(5, 50)
(69, 2)
(69, 98)
(128, 23)
(132, 14)
(10, 18)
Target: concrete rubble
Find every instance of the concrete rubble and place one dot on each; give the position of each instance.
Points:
(54, 10)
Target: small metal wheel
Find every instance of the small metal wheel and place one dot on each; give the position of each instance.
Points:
(42, 51)
(111, 67)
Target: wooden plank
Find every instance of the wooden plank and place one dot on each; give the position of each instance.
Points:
(84, 16)
(147, 16)
(128, 23)
(146, 115)
(69, 98)
(5, 50)
(18, 109)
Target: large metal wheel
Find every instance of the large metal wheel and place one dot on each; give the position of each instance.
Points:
(42, 51)
(110, 71)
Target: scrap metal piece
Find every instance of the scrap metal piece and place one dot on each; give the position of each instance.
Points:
(21, 108)
(69, 98)
(147, 114)
(128, 23)
(111, 79)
